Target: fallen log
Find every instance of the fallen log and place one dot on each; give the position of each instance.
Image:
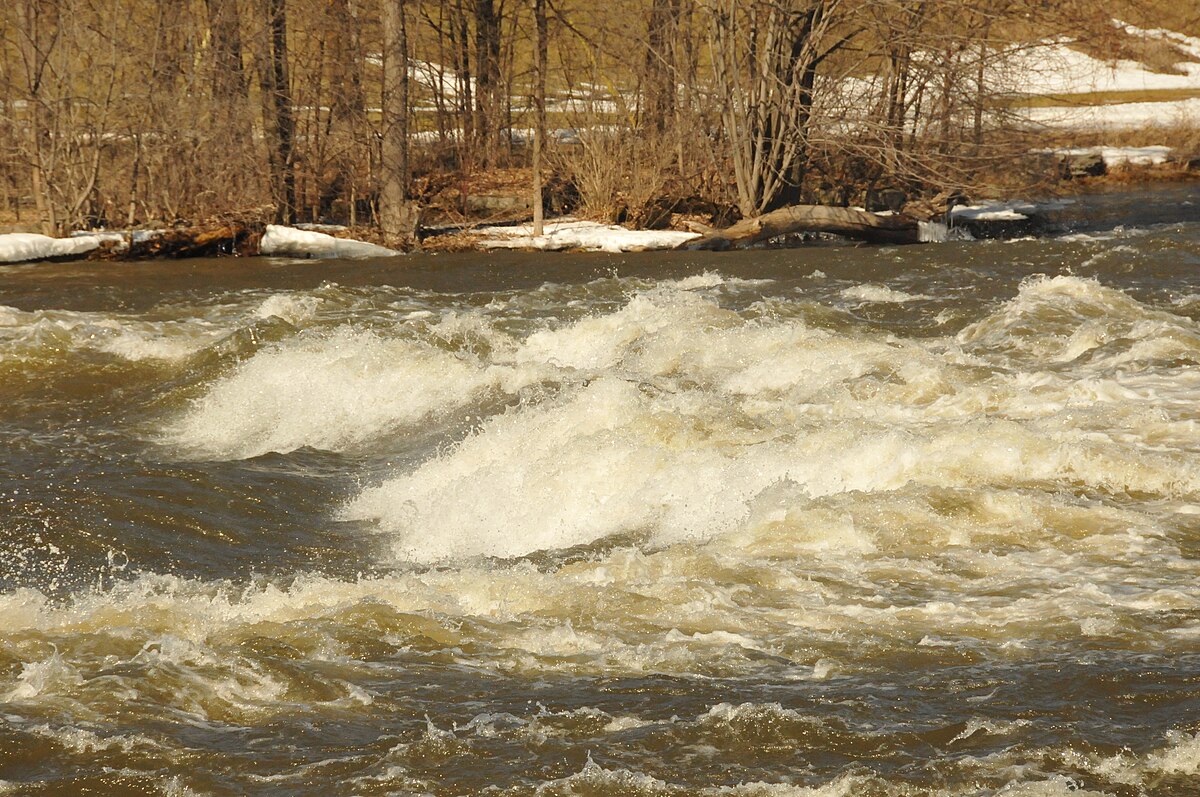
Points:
(214, 240)
(857, 224)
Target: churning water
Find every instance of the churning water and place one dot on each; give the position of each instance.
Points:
(835, 521)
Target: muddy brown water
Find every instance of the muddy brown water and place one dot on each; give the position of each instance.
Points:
(829, 521)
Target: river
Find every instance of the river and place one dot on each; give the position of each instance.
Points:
(826, 521)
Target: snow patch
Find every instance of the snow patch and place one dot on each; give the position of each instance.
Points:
(993, 211)
(1052, 67)
(19, 247)
(1115, 156)
(292, 242)
(586, 235)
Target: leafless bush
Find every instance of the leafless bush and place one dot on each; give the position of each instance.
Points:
(617, 171)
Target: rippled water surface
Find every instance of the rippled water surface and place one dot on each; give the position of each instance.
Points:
(834, 521)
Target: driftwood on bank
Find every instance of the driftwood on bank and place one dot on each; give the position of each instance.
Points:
(231, 238)
(857, 224)
(206, 240)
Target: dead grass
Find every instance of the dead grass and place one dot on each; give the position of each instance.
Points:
(1131, 175)
(1100, 98)
(461, 241)
(1182, 136)
(26, 223)
(1156, 54)
(1178, 15)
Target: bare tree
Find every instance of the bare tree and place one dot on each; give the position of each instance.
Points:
(345, 133)
(661, 80)
(488, 100)
(541, 52)
(225, 45)
(38, 35)
(766, 55)
(279, 124)
(398, 217)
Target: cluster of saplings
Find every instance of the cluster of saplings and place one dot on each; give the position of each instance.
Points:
(370, 112)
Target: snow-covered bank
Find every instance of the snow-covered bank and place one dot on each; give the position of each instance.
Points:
(589, 236)
(291, 242)
(20, 247)
(1117, 116)
(1117, 156)
(1054, 67)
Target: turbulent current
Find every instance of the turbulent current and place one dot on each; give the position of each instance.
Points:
(822, 522)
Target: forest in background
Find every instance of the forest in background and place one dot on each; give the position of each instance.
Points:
(365, 112)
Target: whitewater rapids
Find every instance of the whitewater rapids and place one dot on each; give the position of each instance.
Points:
(754, 532)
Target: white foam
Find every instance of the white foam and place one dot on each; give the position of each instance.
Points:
(39, 677)
(293, 308)
(594, 778)
(87, 742)
(1054, 786)
(48, 334)
(1058, 319)
(879, 294)
(1181, 756)
(330, 390)
(630, 452)
(991, 727)
(728, 713)
(767, 494)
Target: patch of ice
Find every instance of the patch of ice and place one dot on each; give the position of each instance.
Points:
(141, 236)
(326, 228)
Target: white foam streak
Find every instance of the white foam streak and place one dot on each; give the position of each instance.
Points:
(594, 779)
(44, 334)
(879, 294)
(40, 677)
(329, 390)
(1059, 319)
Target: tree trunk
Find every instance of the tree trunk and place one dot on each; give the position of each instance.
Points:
(35, 54)
(539, 109)
(225, 42)
(346, 127)
(660, 77)
(345, 65)
(277, 110)
(856, 224)
(463, 87)
(398, 217)
(980, 83)
(487, 80)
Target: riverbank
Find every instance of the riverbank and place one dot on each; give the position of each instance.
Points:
(1084, 171)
